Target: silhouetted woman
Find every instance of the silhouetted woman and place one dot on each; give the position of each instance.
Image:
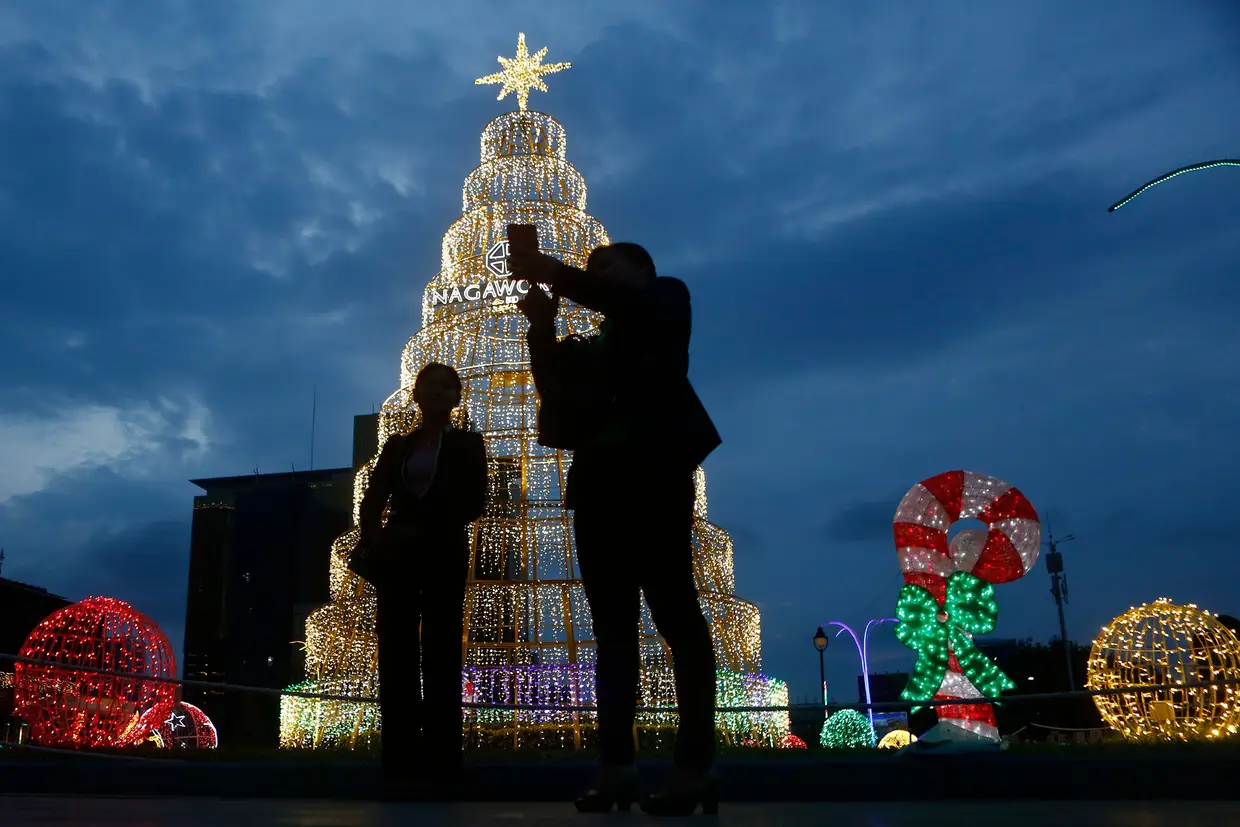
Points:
(433, 482)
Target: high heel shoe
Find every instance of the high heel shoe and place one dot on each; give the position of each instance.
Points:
(614, 787)
(683, 799)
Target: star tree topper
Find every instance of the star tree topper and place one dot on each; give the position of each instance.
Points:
(522, 73)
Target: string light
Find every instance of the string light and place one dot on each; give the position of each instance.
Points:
(1173, 174)
(185, 726)
(846, 729)
(1165, 645)
(65, 706)
(948, 597)
(308, 722)
(528, 636)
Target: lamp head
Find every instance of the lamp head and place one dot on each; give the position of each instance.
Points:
(821, 640)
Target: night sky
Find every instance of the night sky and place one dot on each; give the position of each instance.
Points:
(892, 217)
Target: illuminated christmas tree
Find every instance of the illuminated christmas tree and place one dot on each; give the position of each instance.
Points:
(528, 637)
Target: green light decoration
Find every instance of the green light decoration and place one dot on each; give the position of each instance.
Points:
(1225, 162)
(846, 729)
(935, 635)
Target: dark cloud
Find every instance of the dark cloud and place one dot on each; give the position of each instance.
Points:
(1208, 536)
(148, 250)
(146, 566)
(862, 522)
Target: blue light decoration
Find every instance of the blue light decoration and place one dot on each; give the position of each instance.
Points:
(863, 649)
(1191, 168)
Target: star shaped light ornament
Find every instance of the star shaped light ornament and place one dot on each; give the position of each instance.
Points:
(522, 73)
(175, 721)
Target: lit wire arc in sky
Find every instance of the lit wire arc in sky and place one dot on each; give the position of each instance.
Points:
(1168, 177)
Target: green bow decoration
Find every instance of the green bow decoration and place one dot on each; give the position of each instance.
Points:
(971, 609)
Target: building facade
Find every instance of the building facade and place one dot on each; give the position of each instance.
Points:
(22, 607)
(259, 555)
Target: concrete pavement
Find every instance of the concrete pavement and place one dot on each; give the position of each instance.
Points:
(21, 811)
(1001, 777)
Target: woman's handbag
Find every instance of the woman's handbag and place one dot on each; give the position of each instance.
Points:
(374, 563)
(367, 562)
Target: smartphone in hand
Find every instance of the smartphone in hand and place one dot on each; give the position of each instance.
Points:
(522, 239)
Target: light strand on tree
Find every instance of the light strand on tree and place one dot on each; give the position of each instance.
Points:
(307, 722)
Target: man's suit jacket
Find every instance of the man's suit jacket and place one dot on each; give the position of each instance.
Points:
(573, 395)
(456, 496)
(639, 376)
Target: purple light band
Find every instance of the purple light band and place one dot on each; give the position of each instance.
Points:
(863, 651)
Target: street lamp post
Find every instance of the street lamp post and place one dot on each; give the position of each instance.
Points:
(1059, 591)
(863, 648)
(820, 643)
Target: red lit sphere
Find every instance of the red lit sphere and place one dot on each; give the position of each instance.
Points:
(66, 706)
(793, 742)
(185, 726)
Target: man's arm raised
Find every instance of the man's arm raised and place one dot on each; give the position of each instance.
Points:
(612, 300)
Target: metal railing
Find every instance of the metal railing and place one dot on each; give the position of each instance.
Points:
(886, 706)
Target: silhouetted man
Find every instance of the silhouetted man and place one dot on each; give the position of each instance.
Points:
(622, 402)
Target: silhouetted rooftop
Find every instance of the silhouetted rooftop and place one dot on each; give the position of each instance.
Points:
(17, 584)
(207, 483)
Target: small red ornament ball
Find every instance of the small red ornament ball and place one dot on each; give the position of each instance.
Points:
(67, 706)
(793, 742)
(185, 726)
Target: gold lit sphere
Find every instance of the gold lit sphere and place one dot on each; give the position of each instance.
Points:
(1168, 646)
(897, 739)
